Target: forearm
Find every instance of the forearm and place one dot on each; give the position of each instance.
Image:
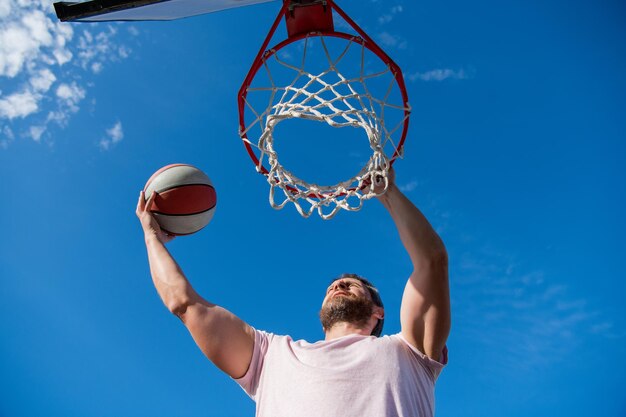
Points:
(418, 237)
(168, 278)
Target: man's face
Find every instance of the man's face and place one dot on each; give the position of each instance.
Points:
(346, 287)
(346, 300)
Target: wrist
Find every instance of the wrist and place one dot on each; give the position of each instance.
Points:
(150, 237)
(389, 194)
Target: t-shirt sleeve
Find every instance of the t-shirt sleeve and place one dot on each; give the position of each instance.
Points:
(250, 381)
(433, 367)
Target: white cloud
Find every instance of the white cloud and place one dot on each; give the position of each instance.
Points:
(116, 133)
(93, 51)
(96, 67)
(35, 132)
(408, 187)
(38, 27)
(71, 93)
(113, 135)
(6, 137)
(439, 75)
(123, 51)
(604, 328)
(36, 52)
(18, 105)
(62, 56)
(392, 41)
(42, 80)
(531, 317)
(15, 48)
(388, 17)
(571, 305)
(5, 8)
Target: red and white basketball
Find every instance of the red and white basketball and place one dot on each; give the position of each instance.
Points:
(186, 198)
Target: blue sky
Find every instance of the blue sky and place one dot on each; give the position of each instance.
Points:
(516, 154)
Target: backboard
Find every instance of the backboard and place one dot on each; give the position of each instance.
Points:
(132, 10)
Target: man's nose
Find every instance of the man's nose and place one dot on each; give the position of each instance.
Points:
(341, 285)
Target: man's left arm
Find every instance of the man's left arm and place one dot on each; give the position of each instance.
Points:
(425, 310)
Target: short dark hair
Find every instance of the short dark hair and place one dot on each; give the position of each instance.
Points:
(378, 329)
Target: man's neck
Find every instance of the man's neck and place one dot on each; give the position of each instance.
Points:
(345, 329)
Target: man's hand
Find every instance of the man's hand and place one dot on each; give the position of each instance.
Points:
(379, 184)
(148, 222)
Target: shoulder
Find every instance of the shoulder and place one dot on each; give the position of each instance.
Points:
(263, 340)
(399, 339)
(433, 366)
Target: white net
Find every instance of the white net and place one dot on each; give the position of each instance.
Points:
(337, 81)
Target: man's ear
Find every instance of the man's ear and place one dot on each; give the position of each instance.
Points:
(379, 312)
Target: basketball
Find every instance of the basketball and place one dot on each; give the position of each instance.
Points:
(186, 199)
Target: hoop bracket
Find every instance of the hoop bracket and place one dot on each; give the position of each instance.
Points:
(306, 16)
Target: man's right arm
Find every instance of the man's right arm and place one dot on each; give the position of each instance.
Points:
(225, 339)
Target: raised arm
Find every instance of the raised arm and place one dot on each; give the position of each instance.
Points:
(425, 310)
(225, 339)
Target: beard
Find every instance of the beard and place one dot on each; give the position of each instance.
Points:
(346, 309)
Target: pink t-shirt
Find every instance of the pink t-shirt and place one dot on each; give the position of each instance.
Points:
(359, 376)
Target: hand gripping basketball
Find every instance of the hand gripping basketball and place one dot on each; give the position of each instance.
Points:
(185, 200)
(148, 222)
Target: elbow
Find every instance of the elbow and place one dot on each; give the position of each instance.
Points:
(437, 259)
(434, 262)
(439, 256)
(178, 306)
(433, 253)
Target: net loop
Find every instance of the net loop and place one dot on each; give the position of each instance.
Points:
(340, 101)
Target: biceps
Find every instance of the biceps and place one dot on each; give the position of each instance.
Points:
(223, 338)
(425, 311)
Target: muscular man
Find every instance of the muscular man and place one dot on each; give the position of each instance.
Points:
(354, 371)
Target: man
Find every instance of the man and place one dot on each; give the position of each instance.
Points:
(353, 372)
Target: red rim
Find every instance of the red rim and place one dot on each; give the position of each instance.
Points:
(361, 38)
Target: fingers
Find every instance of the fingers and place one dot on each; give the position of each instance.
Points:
(150, 201)
(392, 175)
(141, 204)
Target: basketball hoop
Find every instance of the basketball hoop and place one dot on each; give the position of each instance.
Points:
(323, 86)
